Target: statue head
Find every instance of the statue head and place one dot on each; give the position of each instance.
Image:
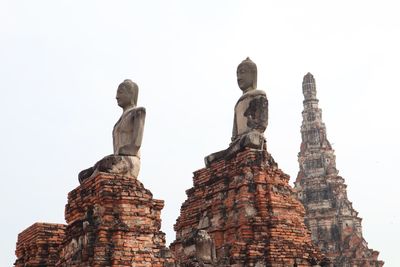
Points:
(127, 94)
(247, 75)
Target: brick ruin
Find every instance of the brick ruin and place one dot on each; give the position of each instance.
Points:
(240, 212)
(334, 224)
(250, 213)
(38, 245)
(112, 220)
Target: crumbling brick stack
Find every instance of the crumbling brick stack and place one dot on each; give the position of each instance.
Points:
(112, 221)
(38, 245)
(247, 207)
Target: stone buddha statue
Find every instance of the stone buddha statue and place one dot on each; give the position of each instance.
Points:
(251, 114)
(128, 131)
(127, 136)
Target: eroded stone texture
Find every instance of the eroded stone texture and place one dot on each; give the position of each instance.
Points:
(334, 224)
(113, 221)
(39, 244)
(247, 207)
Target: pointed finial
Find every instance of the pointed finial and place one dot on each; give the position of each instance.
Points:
(308, 78)
(309, 88)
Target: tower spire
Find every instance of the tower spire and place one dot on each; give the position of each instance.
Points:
(309, 88)
(334, 224)
(313, 130)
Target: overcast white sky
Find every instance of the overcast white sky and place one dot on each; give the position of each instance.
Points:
(61, 62)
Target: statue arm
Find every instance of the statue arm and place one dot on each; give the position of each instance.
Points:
(263, 116)
(234, 130)
(257, 113)
(138, 127)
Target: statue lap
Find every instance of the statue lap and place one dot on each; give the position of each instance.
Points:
(114, 164)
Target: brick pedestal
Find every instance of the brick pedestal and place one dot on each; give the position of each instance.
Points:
(248, 208)
(113, 221)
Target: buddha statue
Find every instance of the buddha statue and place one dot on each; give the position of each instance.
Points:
(128, 131)
(127, 136)
(250, 117)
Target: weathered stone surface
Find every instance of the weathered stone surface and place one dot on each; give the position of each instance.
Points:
(251, 115)
(127, 136)
(334, 224)
(113, 221)
(39, 244)
(247, 207)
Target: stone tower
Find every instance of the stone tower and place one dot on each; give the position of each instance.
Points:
(334, 224)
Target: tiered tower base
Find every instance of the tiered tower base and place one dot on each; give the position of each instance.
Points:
(250, 212)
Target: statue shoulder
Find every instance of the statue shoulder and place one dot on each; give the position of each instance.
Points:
(140, 110)
(137, 110)
(258, 92)
(252, 94)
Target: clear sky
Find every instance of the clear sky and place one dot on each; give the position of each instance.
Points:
(61, 62)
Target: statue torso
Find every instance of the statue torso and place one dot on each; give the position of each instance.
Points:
(128, 130)
(251, 113)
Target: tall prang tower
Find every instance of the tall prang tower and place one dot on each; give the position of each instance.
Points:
(334, 223)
